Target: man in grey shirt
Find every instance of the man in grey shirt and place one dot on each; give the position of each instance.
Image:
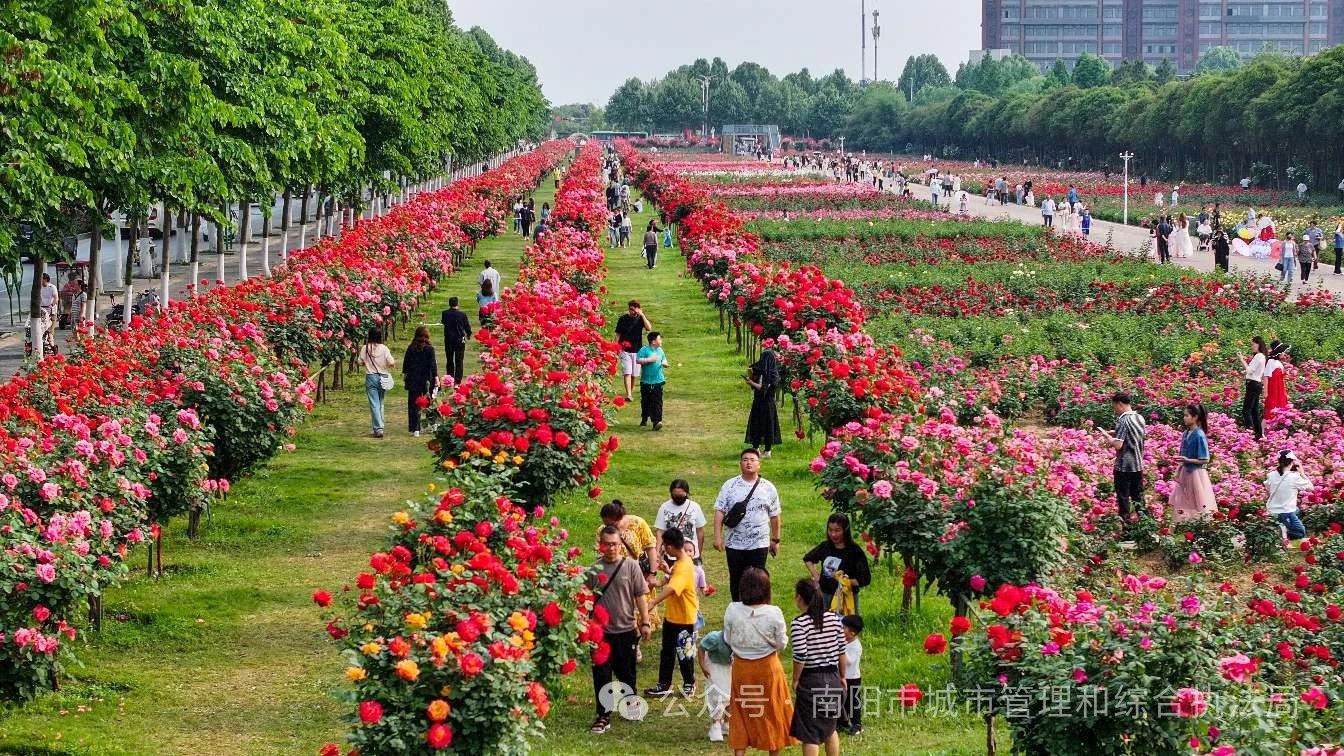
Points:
(1127, 440)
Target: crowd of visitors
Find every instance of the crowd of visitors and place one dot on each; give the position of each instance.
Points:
(1192, 495)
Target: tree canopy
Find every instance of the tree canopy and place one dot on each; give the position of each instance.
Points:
(111, 104)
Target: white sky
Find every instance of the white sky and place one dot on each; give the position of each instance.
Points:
(584, 49)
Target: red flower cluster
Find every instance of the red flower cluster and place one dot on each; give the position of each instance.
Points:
(539, 407)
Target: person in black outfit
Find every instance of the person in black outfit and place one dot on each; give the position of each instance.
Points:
(1222, 250)
(838, 553)
(630, 329)
(1164, 230)
(528, 215)
(456, 333)
(420, 371)
(763, 422)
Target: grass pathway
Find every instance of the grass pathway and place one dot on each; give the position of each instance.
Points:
(706, 410)
(226, 653)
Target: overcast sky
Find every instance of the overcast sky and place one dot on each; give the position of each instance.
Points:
(584, 49)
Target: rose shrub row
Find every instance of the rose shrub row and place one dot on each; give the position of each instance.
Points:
(101, 447)
(458, 631)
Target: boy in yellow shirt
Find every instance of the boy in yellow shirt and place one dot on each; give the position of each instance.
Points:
(683, 606)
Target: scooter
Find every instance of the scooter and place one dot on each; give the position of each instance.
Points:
(145, 303)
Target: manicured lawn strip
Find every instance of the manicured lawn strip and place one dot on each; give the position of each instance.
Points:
(227, 653)
(706, 413)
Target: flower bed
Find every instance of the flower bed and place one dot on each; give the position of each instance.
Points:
(463, 624)
(984, 511)
(101, 447)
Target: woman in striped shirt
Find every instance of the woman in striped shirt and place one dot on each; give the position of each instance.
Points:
(818, 641)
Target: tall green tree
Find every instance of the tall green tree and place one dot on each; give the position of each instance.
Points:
(1217, 59)
(922, 71)
(1164, 72)
(631, 106)
(1090, 71)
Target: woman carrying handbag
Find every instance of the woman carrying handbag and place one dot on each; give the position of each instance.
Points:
(378, 362)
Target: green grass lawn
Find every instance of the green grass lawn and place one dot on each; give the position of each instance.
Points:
(227, 654)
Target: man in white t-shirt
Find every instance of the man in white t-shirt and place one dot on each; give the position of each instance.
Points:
(757, 535)
(681, 512)
(48, 294)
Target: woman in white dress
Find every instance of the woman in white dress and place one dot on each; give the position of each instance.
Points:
(1181, 245)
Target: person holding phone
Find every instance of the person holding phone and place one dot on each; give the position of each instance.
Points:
(1284, 484)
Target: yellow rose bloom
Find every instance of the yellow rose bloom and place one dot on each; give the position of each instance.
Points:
(517, 459)
(400, 518)
(371, 649)
(408, 670)
(438, 710)
(355, 674)
(417, 621)
(517, 621)
(444, 517)
(432, 488)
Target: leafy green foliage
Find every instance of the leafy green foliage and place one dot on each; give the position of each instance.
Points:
(110, 105)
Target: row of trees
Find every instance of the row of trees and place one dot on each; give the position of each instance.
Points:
(805, 106)
(1272, 117)
(118, 105)
(798, 103)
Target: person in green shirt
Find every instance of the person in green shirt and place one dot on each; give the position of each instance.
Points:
(652, 362)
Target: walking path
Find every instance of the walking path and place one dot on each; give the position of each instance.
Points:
(706, 410)
(1135, 240)
(13, 315)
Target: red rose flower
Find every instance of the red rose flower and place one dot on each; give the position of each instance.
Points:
(439, 736)
(370, 712)
(322, 598)
(935, 644)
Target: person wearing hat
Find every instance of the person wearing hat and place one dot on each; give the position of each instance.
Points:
(1284, 484)
(716, 661)
(1276, 390)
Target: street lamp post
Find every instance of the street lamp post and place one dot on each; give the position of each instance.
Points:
(1126, 156)
(704, 102)
(877, 32)
(842, 146)
(863, 42)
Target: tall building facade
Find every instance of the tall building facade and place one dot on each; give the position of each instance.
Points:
(1156, 30)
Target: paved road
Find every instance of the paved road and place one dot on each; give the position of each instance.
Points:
(1135, 239)
(13, 337)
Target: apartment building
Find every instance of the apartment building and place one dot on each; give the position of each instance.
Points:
(1156, 30)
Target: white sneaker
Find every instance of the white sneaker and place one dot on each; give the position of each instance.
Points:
(416, 434)
(715, 732)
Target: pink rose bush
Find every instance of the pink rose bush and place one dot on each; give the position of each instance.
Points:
(103, 445)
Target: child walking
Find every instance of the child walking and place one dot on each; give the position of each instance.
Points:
(851, 714)
(683, 605)
(716, 661)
